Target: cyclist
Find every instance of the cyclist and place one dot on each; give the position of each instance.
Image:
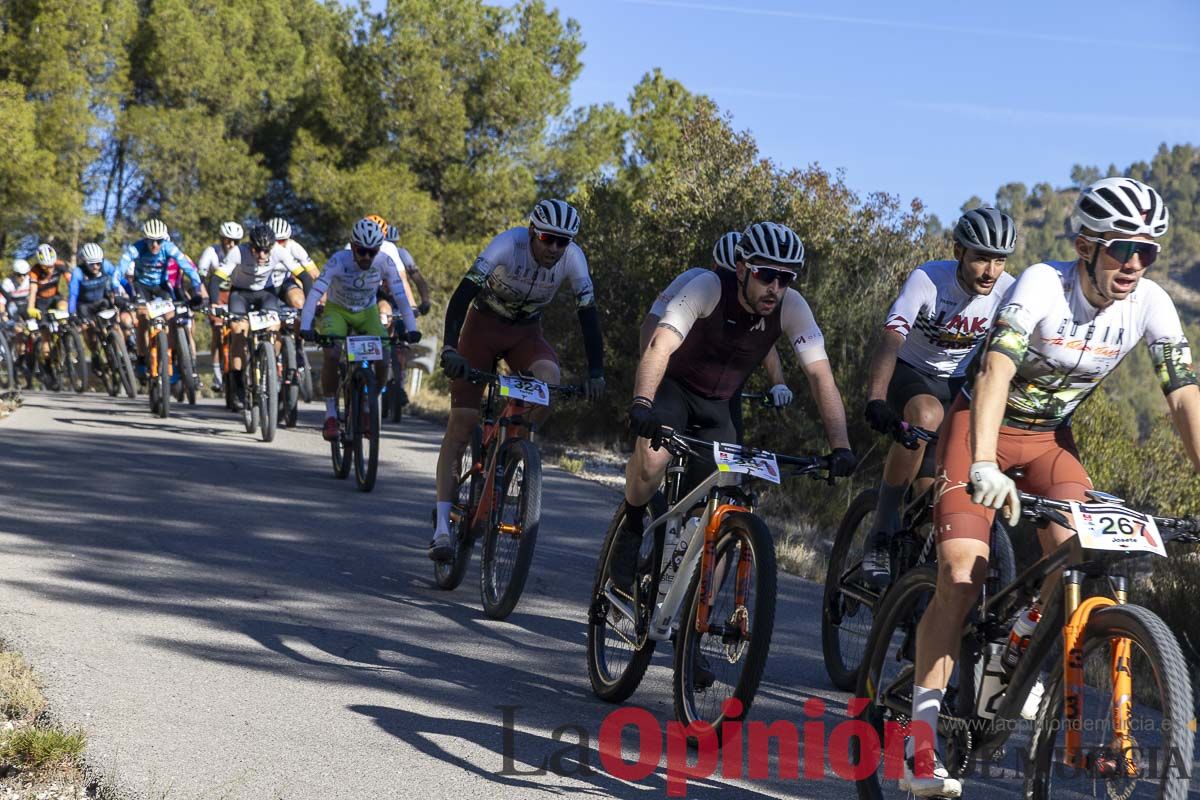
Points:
(496, 312)
(250, 270)
(231, 234)
(714, 333)
(944, 311)
(146, 262)
(409, 272)
(292, 284)
(47, 275)
(724, 257)
(1063, 327)
(352, 278)
(93, 284)
(17, 288)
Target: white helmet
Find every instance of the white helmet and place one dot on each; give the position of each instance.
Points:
(154, 229)
(1122, 205)
(91, 253)
(232, 230)
(46, 255)
(555, 216)
(21, 266)
(724, 251)
(367, 234)
(772, 242)
(392, 234)
(282, 229)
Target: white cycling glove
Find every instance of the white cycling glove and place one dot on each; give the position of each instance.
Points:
(992, 488)
(781, 395)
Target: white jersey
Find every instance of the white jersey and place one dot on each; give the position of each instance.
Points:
(298, 253)
(354, 289)
(17, 291)
(210, 259)
(1063, 346)
(240, 267)
(673, 288)
(390, 250)
(699, 299)
(515, 287)
(941, 322)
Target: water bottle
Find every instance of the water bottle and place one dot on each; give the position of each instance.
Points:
(993, 683)
(1018, 638)
(672, 567)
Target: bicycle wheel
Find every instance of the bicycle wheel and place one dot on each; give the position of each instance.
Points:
(1152, 757)
(618, 650)
(268, 389)
(305, 376)
(75, 365)
(366, 430)
(164, 373)
(289, 392)
(885, 679)
(727, 660)
(846, 620)
(105, 368)
(509, 541)
(121, 364)
(186, 364)
(341, 448)
(449, 574)
(7, 363)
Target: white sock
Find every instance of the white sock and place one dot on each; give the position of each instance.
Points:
(926, 705)
(443, 518)
(330, 406)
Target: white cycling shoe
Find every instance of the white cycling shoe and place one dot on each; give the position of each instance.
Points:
(936, 784)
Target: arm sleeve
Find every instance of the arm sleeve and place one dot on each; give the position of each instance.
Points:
(114, 277)
(1169, 349)
(407, 260)
(593, 341)
(399, 298)
(125, 265)
(581, 281)
(73, 290)
(800, 327)
(456, 310)
(695, 301)
(673, 288)
(320, 287)
(917, 294)
(1027, 303)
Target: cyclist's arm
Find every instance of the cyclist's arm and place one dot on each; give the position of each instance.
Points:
(186, 266)
(918, 294)
(773, 364)
(659, 307)
(1172, 359)
(456, 310)
(320, 287)
(883, 364)
(801, 329)
(399, 298)
(73, 290)
(222, 272)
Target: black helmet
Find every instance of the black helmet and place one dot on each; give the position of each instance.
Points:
(262, 237)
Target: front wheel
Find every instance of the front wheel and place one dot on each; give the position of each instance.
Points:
(305, 376)
(289, 393)
(727, 660)
(267, 390)
(449, 574)
(1149, 754)
(341, 449)
(75, 362)
(122, 366)
(7, 363)
(366, 430)
(509, 541)
(163, 381)
(845, 617)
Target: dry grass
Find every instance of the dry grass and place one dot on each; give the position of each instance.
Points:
(20, 695)
(571, 465)
(801, 546)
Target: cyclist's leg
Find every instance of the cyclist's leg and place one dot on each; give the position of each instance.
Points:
(240, 304)
(1052, 469)
(921, 400)
(332, 322)
(533, 354)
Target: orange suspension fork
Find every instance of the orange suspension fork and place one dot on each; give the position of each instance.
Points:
(708, 565)
(1073, 684)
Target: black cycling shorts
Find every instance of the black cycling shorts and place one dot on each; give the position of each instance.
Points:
(286, 285)
(144, 292)
(43, 304)
(908, 382)
(243, 301)
(687, 412)
(86, 310)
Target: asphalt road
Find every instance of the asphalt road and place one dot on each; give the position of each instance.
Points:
(227, 620)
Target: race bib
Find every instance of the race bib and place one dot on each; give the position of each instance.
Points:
(107, 313)
(159, 306)
(1108, 526)
(261, 320)
(527, 390)
(59, 314)
(32, 324)
(730, 458)
(218, 308)
(364, 348)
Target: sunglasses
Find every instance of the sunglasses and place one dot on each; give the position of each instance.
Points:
(258, 249)
(1123, 250)
(768, 275)
(552, 238)
(365, 252)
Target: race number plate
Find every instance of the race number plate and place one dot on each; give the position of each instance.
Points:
(527, 390)
(1107, 526)
(261, 320)
(32, 324)
(107, 313)
(59, 314)
(218, 308)
(159, 306)
(729, 458)
(364, 348)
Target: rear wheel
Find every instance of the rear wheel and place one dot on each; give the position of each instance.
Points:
(8, 370)
(366, 431)
(508, 543)
(75, 364)
(164, 373)
(845, 618)
(289, 393)
(186, 364)
(268, 389)
(305, 376)
(121, 363)
(449, 574)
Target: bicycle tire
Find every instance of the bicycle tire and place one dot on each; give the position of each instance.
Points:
(268, 390)
(503, 567)
(306, 384)
(74, 361)
(289, 392)
(186, 365)
(1169, 669)
(251, 415)
(738, 530)
(366, 447)
(609, 684)
(449, 574)
(124, 366)
(841, 659)
(8, 370)
(164, 374)
(105, 370)
(340, 448)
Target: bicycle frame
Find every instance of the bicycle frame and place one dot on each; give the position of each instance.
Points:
(495, 434)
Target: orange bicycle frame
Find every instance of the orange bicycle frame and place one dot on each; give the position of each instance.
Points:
(490, 432)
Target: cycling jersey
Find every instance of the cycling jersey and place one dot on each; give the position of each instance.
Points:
(210, 259)
(1063, 346)
(673, 288)
(17, 291)
(150, 269)
(723, 342)
(513, 285)
(298, 254)
(391, 251)
(47, 278)
(941, 322)
(354, 289)
(241, 268)
(85, 289)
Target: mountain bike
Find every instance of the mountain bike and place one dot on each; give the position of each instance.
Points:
(291, 347)
(357, 442)
(8, 360)
(185, 380)
(1110, 658)
(849, 599)
(159, 311)
(110, 358)
(260, 375)
(220, 349)
(499, 492)
(68, 360)
(393, 397)
(705, 581)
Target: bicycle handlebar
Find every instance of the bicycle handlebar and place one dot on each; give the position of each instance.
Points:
(681, 444)
(478, 376)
